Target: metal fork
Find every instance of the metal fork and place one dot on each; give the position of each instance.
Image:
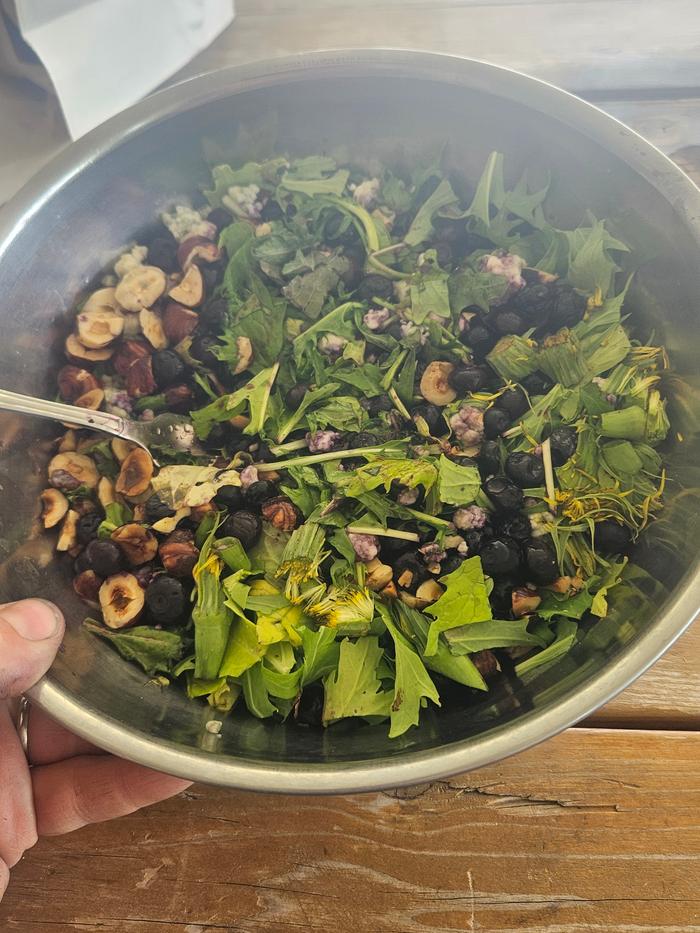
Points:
(173, 431)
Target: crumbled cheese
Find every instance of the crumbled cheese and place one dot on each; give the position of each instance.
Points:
(243, 200)
(366, 547)
(468, 426)
(473, 516)
(376, 318)
(249, 475)
(331, 344)
(367, 192)
(184, 222)
(321, 441)
(214, 726)
(117, 401)
(129, 260)
(507, 265)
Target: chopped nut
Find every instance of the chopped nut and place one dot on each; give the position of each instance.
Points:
(92, 399)
(390, 591)
(54, 507)
(281, 513)
(105, 491)
(139, 378)
(104, 299)
(178, 322)
(97, 329)
(127, 353)
(68, 536)
(197, 248)
(152, 327)
(74, 382)
(428, 592)
(378, 575)
(524, 601)
(178, 553)
(121, 600)
(138, 543)
(140, 288)
(77, 353)
(136, 473)
(121, 448)
(434, 385)
(69, 470)
(87, 585)
(68, 441)
(199, 511)
(190, 290)
(486, 663)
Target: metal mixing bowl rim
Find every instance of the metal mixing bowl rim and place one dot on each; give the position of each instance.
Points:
(405, 767)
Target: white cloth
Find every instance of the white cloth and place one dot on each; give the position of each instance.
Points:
(104, 55)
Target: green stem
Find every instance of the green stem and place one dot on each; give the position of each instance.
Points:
(317, 458)
(382, 532)
(386, 271)
(429, 519)
(398, 404)
(391, 372)
(287, 448)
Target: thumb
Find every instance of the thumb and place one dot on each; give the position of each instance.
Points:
(30, 633)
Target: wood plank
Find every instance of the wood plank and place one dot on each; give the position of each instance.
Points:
(584, 44)
(596, 830)
(666, 697)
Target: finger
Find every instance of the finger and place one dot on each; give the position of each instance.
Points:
(4, 877)
(17, 824)
(49, 741)
(90, 789)
(30, 633)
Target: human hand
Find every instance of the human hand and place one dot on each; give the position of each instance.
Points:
(71, 783)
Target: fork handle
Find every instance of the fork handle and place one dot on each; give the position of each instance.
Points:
(57, 411)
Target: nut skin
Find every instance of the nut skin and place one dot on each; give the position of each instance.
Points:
(74, 382)
(178, 322)
(87, 585)
(179, 398)
(127, 353)
(54, 507)
(178, 553)
(92, 400)
(486, 663)
(281, 513)
(138, 543)
(190, 290)
(139, 378)
(69, 470)
(135, 474)
(197, 248)
(524, 601)
(122, 600)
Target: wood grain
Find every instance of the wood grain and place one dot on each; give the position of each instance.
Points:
(596, 830)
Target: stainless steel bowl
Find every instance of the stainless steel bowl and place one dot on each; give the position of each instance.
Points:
(98, 195)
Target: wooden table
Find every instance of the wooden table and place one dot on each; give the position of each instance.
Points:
(597, 829)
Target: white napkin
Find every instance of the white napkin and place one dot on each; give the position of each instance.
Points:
(104, 55)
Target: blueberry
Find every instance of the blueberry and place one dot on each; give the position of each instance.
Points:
(220, 217)
(309, 710)
(105, 557)
(489, 458)
(508, 322)
(537, 384)
(541, 562)
(271, 211)
(362, 439)
(162, 252)
(503, 493)
(374, 286)
(392, 548)
(87, 526)
(611, 537)
(496, 421)
(242, 525)
(214, 316)
(452, 562)
(563, 442)
(500, 556)
(376, 404)
(165, 599)
(526, 470)
(167, 368)
(155, 509)
(81, 564)
(255, 494)
(295, 395)
(516, 526)
(514, 402)
(432, 415)
(478, 338)
(468, 377)
(201, 350)
(229, 497)
(476, 538)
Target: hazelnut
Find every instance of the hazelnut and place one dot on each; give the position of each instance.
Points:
(105, 491)
(136, 473)
(74, 382)
(434, 385)
(178, 553)
(245, 355)
(140, 288)
(178, 322)
(152, 327)
(179, 396)
(54, 507)
(138, 543)
(97, 329)
(68, 536)
(77, 353)
(68, 442)
(281, 513)
(486, 663)
(378, 575)
(428, 592)
(87, 585)
(190, 290)
(139, 378)
(198, 512)
(70, 470)
(121, 448)
(524, 601)
(389, 591)
(121, 600)
(127, 353)
(197, 248)
(92, 399)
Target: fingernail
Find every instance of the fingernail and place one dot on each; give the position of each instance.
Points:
(33, 619)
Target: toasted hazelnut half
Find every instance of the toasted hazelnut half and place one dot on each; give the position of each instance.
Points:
(524, 601)
(281, 513)
(390, 591)
(434, 386)
(77, 353)
(68, 442)
(104, 299)
(139, 378)
(136, 473)
(127, 353)
(199, 511)
(378, 575)
(68, 535)
(121, 448)
(54, 506)
(165, 526)
(132, 325)
(179, 553)
(486, 663)
(74, 382)
(138, 543)
(97, 329)
(428, 592)
(121, 600)
(87, 586)
(245, 355)
(105, 491)
(190, 290)
(92, 399)
(69, 470)
(152, 327)
(197, 248)
(140, 288)
(178, 322)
